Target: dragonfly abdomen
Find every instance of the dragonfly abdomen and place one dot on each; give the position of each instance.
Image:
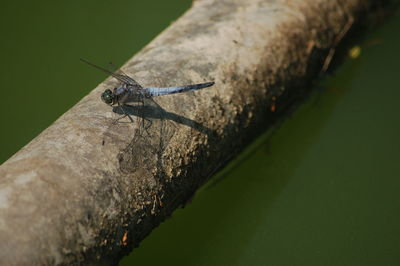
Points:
(179, 89)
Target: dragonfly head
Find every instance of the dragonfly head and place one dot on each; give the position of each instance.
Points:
(108, 97)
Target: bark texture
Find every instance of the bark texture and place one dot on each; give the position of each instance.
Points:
(86, 191)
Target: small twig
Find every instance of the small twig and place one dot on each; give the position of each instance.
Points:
(338, 39)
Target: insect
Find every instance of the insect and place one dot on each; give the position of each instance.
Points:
(130, 91)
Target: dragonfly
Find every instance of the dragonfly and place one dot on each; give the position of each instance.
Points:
(131, 91)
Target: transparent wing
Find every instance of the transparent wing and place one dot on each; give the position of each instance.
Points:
(118, 71)
(171, 90)
(123, 78)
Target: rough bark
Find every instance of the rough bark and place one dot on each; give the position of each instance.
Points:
(86, 191)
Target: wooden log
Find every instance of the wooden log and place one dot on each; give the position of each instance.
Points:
(86, 191)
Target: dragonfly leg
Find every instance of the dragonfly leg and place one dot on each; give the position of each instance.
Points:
(144, 119)
(123, 116)
(148, 125)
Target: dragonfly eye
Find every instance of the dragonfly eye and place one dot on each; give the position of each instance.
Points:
(107, 97)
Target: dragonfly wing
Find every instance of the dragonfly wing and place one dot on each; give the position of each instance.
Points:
(171, 90)
(123, 78)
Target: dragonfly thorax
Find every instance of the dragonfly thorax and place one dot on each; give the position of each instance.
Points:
(108, 97)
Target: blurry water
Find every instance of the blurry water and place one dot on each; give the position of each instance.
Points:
(323, 189)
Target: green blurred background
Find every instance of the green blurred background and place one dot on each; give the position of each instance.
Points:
(322, 189)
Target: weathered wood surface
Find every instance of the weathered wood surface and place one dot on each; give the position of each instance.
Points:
(86, 191)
